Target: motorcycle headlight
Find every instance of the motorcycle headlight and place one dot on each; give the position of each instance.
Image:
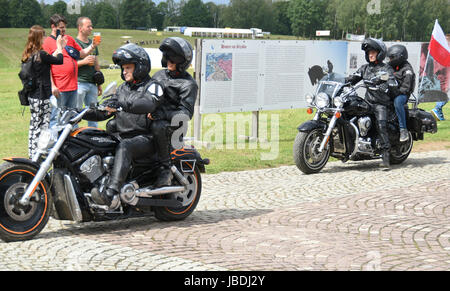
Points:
(309, 99)
(338, 101)
(47, 139)
(322, 100)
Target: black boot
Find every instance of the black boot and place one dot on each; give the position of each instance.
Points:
(165, 177)
(103, 198)
(386, 161)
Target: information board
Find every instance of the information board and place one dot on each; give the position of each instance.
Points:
(253, 75)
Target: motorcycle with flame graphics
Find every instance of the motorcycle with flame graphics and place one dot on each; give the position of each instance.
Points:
(80, 160)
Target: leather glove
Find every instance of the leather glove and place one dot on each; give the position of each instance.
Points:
(158, 115)
(384, 87)
(112, 103)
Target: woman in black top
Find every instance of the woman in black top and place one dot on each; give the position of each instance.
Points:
(40, 98)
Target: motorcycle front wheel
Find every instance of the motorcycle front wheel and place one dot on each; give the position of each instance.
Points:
(189, 199)
(21, 222)
(306, 151)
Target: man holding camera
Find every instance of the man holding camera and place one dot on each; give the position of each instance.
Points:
(64, 78)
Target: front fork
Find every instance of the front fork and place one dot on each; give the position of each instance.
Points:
(330, 128)
(45, 166)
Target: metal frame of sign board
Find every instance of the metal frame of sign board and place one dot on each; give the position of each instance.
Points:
(255, 75)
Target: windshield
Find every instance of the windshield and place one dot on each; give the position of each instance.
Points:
(330, 84)
(336, 77)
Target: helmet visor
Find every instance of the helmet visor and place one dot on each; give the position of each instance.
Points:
(121, 57)
(174, 58)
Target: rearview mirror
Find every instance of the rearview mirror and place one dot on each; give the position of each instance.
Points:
(110, 89)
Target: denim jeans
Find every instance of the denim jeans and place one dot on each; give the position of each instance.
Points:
(399, 103)
(87, 94)
(66, 100)
(439, 105)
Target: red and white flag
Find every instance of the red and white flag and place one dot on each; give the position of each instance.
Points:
(439, 49)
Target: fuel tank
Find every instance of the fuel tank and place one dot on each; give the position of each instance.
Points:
(88, 139)
(357, 106)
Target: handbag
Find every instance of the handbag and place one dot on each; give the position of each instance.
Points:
(98, 78)
(75, 54)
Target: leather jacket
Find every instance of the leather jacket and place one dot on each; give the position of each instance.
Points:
(367, 72)
(406, 79)
(136, 102)
(180, 93)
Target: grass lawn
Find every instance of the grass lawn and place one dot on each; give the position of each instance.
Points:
(240, 156)
(12, 42)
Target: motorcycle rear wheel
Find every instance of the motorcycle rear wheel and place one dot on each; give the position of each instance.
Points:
(189, 198)
(401, 152)
(18, 222)
(306, 155)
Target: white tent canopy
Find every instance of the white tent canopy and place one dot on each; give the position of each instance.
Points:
(218, 32)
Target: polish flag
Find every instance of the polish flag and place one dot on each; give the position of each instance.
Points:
(439, 49)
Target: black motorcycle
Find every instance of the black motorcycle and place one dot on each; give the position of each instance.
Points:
(82, 159)
(344, 126)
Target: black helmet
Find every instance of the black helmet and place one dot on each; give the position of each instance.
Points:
(178, 51)
(397, 55)
(133, 54)
(374, 44)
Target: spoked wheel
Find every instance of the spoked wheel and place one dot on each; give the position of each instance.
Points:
(188, 198)
(306, 151)
(400, 153)
(21, 222)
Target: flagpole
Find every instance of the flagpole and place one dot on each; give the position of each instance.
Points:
(424, 67)
(421, 80)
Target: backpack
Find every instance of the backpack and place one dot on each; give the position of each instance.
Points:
(29, 82)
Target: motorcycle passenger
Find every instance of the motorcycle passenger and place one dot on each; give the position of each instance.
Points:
(377, 96)
(180, 93)
(404, 74)
(137, 98)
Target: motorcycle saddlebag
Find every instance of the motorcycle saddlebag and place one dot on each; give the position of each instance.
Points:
(420, 121)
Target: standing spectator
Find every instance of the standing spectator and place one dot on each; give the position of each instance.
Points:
(87, 67)
(64, 77)
(40, 96)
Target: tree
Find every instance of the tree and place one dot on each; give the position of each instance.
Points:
(216, 12)
(134, 13)
(4, 13)
(305, 16)
(24, 13)
(172, 13)
(249, 14)
(195, 13)
(351, 16)
(106, 17)
(282, 23)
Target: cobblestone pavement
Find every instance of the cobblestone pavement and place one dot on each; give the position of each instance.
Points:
(351, 216)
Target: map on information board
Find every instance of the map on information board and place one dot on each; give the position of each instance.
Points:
(219, 67)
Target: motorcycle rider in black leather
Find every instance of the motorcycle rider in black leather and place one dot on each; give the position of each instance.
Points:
(137, 96)
(180, 93)
(377, 96)
(404, 74)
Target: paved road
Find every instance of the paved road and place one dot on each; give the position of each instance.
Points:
(351, 216)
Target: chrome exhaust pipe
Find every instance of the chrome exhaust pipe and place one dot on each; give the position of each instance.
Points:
(146, 193)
